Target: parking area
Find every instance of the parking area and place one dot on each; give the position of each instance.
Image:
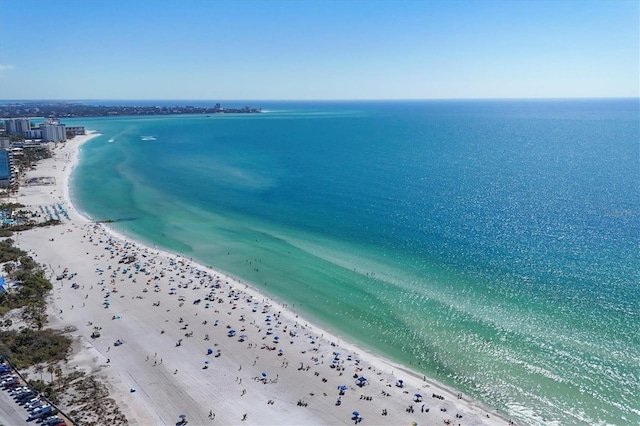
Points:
(21, 404)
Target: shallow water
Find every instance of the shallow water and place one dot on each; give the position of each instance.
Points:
(492, 245)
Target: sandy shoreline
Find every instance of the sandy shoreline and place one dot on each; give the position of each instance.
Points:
(166, 336)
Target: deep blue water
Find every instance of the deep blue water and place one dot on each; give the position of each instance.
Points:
(493, 245)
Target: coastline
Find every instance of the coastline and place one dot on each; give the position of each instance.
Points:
(286, 394)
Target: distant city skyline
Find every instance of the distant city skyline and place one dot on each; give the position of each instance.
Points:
(324, 50)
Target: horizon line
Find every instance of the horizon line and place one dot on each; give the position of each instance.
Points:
(318, 100)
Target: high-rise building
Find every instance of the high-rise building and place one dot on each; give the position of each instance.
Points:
(16, 126)
(53, 132)
(7, 174)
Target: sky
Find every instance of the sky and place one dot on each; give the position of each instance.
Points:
(304, 50)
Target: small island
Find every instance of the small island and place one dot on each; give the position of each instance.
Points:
(61, 109)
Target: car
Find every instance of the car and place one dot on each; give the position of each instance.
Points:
(6, 377)
(25, 396)
(9, 384)
(53, 420)
(34, 404)
(13, 384)
(39, 412)
(23, 392)
(29, 402)
(20, 396)
(18, 390)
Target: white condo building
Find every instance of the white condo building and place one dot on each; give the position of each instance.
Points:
(16, 126)
(53, 132)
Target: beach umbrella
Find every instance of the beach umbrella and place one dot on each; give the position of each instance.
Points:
(355, 413)
(264, 374)
(209, 351)
(206, 362)
(182, 416)
(342, 387)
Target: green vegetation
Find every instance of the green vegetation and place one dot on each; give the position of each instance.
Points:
(10, 253)
(23, 220)
(48, 389)
(31, 156)
(33, 287)
(28, 347)
(31, 345)
(11, 206)
(8, 230)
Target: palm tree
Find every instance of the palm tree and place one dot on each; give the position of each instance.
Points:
(50, 370)
(8, 267)
(58, 372)
(39, 369)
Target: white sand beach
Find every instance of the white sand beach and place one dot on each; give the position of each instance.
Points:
(177, 356)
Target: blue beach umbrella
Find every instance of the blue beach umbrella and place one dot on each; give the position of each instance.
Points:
(264, 374)
(355, 413)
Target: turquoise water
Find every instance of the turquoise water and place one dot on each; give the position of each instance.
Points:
(492, 245)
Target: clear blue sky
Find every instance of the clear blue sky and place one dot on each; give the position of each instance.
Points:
(183, 49)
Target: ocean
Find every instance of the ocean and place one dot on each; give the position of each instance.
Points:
(491, 245)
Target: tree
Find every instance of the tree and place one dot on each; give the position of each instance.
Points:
(39, 369)
(50, 370)
(58, 373)
(9, 267)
